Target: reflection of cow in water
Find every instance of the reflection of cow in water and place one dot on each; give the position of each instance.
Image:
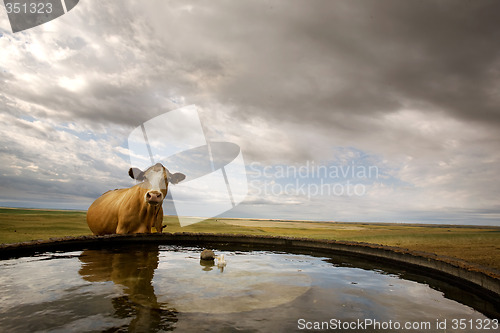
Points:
(133, 270)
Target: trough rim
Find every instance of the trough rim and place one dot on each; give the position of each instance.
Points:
(468, 274)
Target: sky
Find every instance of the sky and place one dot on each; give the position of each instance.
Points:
(364, 111)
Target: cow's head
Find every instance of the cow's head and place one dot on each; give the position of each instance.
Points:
(155, 179)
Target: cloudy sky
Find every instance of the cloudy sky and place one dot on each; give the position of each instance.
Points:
(344, 110)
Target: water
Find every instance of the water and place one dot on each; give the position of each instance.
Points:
(153, 288)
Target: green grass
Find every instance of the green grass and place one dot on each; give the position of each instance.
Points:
(480, 245)
(20, 225)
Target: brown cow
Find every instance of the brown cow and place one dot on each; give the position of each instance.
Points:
(136, 209)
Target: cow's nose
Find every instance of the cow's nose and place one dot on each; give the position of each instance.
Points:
(154, 196)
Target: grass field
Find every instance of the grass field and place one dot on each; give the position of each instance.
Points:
(20, 225)
(480, 245)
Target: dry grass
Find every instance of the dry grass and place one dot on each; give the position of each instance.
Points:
(480, 245)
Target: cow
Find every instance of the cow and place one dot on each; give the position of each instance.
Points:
(136, 209)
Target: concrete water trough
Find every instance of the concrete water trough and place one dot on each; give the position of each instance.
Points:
(157, 282)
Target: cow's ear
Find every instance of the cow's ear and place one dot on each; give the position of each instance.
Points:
(176, 178)
(136, 174)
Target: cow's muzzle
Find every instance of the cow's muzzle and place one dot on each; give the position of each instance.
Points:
(154, 197)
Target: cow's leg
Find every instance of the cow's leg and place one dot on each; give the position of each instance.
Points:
(142, 230)
(158, 225)
(138, 230)
(124, 226)
(121, 230)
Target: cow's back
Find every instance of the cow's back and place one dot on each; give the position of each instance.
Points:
(102, 215)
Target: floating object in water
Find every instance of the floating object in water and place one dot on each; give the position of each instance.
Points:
(207, 255)
(221, 262)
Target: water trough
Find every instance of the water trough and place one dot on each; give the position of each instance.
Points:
(157, 282)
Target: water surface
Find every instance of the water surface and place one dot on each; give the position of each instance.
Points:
(162, 288)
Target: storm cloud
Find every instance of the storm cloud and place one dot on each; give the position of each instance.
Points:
(411, 87)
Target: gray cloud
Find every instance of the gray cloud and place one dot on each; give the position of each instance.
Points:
(413, 84)
(376, 57)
